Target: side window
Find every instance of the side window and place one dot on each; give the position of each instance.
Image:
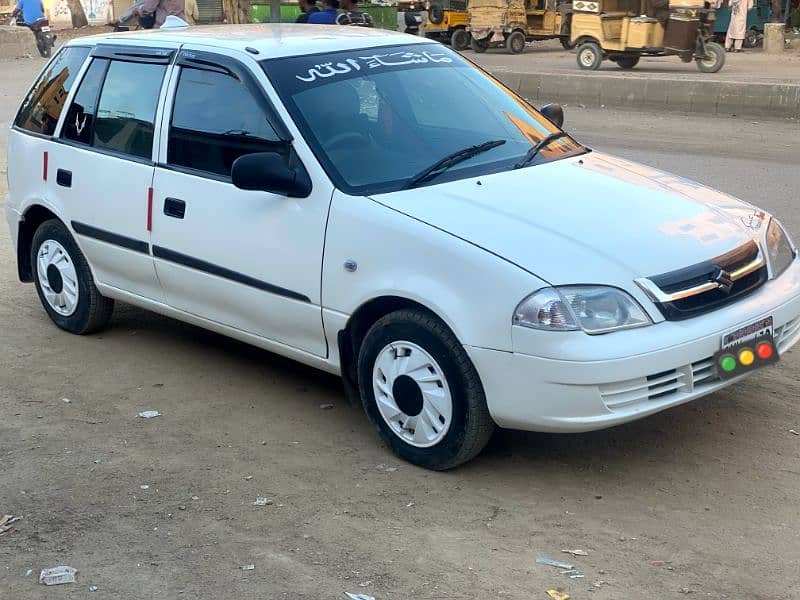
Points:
(43, 105)
(126, 110)
(215, 120)
(79, 124)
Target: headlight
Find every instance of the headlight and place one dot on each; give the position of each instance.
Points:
(595, 309)
(779, 249)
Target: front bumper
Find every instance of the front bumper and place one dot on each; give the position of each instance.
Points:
(623, 376)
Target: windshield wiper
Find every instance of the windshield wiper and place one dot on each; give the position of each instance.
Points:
(440, 166)
(531, 154)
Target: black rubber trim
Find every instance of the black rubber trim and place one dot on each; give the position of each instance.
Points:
(110, 238)
(211, 269)
(142, 54)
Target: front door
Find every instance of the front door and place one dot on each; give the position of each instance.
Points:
(103, 168)
(249, 260)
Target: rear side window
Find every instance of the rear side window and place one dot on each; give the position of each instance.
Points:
(215, 120)
(42, 106)
(126, 110)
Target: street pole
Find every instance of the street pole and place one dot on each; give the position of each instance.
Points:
(275, 11)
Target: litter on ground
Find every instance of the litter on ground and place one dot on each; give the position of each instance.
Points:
(554, 563)
(57, 575)
(260, 501)
(576, 552)
(248, 567)
(359, 596)
(558, 594)
(149, 414)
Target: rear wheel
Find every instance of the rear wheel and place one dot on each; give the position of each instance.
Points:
(713, 60)
(589, 56)
(565, 43)
(752, 38)
(64, 281)
(422, 392)
(479, 46)
(515, 42)
(627, 62)
(460, 39)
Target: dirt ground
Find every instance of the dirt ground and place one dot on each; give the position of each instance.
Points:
(699, 500)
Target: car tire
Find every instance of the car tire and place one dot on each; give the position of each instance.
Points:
(626, 61)
(422, 392)
(515, 42)
(478, 46)
(714, 59)
(64, 281)
(589, 56)
(460, 39)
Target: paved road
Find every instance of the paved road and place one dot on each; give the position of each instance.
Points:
(548, 57)
(711, 487)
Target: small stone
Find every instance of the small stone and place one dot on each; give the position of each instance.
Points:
(327, 406)
(598, 497)
(92, 588)
(195, 498)
(66, 400)
(182, 507)
(248, 478)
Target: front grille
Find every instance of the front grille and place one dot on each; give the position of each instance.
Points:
(708, 285)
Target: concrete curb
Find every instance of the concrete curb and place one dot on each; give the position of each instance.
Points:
(760, 99)
(16, 42)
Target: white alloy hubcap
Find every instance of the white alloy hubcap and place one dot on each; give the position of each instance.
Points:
(412, 394)
(57, 277)
(587, 57)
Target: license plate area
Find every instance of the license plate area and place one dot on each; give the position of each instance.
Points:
(746, 349)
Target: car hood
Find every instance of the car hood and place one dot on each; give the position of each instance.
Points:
(588, 219)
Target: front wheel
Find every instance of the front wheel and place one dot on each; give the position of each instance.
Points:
(515, 42)
(460, 39)
(64, 281)
(713, 60)
(421, 391)
(479, 46)
(589, 56)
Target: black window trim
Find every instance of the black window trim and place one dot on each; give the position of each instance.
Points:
(36, 134)
(211, 61)
(140, 54)
(106, 151)
(224, 65)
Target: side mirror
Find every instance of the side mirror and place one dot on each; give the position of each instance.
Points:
(554, 114)
(271, 172)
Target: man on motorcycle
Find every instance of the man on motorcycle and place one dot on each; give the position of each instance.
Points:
(31, 11)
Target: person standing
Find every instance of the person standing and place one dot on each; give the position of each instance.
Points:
(353, 16)
(162, 9)
(737, 28)
(308, 7)
(326, 16)
(192, 12)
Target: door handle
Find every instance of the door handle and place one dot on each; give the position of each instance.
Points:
(174, 208)
(64, 178)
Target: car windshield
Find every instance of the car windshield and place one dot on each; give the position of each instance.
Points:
(377, 118)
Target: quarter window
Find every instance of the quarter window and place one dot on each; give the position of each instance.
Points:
(79, 123)
(127, 108)
(215, 120)
(45, 101)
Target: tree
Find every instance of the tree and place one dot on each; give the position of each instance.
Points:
(78, 14)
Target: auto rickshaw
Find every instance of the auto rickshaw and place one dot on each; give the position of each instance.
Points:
(623, 31)
(512, 23)
(447, 22)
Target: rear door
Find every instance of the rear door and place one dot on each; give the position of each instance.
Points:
(103, 167)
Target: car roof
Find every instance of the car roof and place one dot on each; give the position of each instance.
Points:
(271, 40)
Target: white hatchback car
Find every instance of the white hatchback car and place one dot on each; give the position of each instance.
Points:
(374, 205)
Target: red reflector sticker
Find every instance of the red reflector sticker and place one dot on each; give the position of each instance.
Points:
(765, 350)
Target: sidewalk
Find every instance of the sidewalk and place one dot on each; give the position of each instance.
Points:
(751, 83)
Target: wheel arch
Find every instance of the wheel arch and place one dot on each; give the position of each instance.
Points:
(355, 330)
(32, 218)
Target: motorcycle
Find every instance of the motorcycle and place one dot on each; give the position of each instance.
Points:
(41, 31)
